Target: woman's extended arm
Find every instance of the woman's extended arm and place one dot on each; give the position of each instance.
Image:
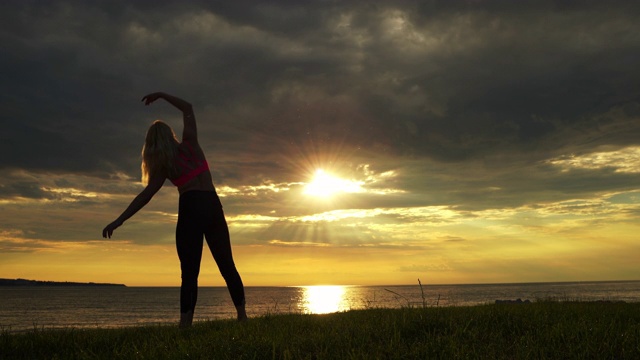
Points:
(189, 132)
(155, 183)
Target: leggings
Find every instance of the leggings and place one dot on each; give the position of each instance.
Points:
(200, 213)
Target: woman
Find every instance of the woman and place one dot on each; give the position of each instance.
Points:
(199, 212)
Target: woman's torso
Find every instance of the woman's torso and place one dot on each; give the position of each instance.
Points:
(191, 157)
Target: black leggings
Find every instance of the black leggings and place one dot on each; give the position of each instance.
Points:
(200, 213)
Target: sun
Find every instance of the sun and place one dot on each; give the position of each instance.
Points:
(325, 185)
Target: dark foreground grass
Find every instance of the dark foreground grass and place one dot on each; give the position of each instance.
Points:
(541, 330)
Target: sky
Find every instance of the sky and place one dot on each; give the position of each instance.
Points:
(351, 142)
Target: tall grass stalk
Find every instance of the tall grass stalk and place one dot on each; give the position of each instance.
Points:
(424, 300)
(410, 303)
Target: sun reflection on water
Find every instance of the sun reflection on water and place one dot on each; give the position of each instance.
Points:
(324, 299)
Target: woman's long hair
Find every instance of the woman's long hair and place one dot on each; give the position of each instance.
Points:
(159, 152)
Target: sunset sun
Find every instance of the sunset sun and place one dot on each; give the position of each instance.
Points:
(324, 185)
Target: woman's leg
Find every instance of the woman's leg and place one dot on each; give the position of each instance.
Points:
(219, 243)
(189, 246)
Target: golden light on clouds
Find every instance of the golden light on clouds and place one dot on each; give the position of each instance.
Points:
(253, 190)
(625, 160)
(70, 194)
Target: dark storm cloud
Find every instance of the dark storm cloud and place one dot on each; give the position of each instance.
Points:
(476, 81)
(445, 80)
(29, 190)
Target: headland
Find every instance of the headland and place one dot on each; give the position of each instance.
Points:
(25, 282)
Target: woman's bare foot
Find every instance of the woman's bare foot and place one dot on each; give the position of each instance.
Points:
(186, 319)
(242, 313)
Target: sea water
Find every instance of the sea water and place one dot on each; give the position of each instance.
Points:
(38, 307)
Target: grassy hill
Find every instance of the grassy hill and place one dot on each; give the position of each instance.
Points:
(540, 330)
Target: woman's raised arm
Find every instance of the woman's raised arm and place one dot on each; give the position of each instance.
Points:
(190, 130)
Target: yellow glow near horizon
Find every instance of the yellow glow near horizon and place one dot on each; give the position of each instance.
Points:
(324, 299)
(326, 185)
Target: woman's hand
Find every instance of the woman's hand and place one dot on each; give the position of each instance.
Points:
(108, 230)
(148, 99)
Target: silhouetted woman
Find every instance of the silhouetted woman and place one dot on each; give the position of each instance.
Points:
(199, 211)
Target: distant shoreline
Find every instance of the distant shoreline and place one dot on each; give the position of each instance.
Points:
(25, 282)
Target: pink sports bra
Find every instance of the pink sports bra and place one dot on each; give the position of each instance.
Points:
(189, 173)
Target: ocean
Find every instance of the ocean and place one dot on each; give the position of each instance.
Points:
(40, 307)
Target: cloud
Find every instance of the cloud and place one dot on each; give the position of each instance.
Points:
(454, 117)
(440, 83)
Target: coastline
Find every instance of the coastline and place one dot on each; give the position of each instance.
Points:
(25, 282)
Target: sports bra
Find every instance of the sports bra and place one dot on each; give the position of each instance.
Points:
(184, 163)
